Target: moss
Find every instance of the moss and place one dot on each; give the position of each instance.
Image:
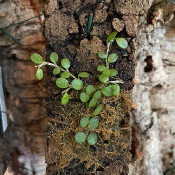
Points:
(113, 134)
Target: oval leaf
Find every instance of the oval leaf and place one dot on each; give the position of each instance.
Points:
(122, 43)
(65, 99)
(80, 137)
(112, 58)
(92, 103)
(100, 68)
(36, 58)
(111, 36)
(56, 70)
(92, 138)
(39, 74)
(65, 63)
(54, 57)
(90, 89)
(84, 97)
(97, 110)
(102, 55)
(113, 72)
(106, 71)
(97, 95)
(65, 75)
(77, 84)
(103, 78)
(116, 90)
(93, 123)
(84, 122)
(107, 91)
(62, 83)
(83, 74)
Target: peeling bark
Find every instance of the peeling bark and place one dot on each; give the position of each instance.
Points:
(154, 83)
(23, 142)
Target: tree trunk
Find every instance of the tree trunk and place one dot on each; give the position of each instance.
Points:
(22, 145)
(154, 94)
(148, 147)
(66, 33)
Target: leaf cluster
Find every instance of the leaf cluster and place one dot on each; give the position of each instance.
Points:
(90, 95)
(121, 42)
(66, 80)
(91, 123)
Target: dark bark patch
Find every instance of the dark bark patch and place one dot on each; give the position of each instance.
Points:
(149, 64)
(111, 154)
(110, 157)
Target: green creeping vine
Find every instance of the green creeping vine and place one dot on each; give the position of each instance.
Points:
(91, 95)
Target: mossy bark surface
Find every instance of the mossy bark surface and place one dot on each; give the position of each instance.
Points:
(65, 29)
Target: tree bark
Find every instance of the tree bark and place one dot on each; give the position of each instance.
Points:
(65, 30)
(23, 144)
(152, 120)
(150, 150)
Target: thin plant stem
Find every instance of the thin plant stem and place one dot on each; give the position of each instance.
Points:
(54, 65)
(65, 91)
(3, 29)
(171, 1)
(11, 25)
(10, 36)
(115, 82)
(107, 52)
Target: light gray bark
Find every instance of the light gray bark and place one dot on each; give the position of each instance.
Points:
(154, 93)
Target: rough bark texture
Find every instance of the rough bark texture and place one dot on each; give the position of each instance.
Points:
(66, 33)
(24, 139)
(153, 119)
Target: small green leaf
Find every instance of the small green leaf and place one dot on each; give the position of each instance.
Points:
(92, 103)
(56, 70)
(102, 55)
(90, 20)
(107, 91)
(84, 122)
(113, 72)
(36, 58)
(92, 138)
(62, 83)
(100, 68)
(116, 90)
(93, 123)
(84, 97)
(77, 84)
(103, 78)
(65, 99)
(97, 110)
(97, 94)
(111, 37)
(80, 137)
(83, 74)
(112, 58)
(65, 75)
(90, 89)
(65, 63)
(106, 71)
(39, 73)
(54, 57)
(122, 43)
